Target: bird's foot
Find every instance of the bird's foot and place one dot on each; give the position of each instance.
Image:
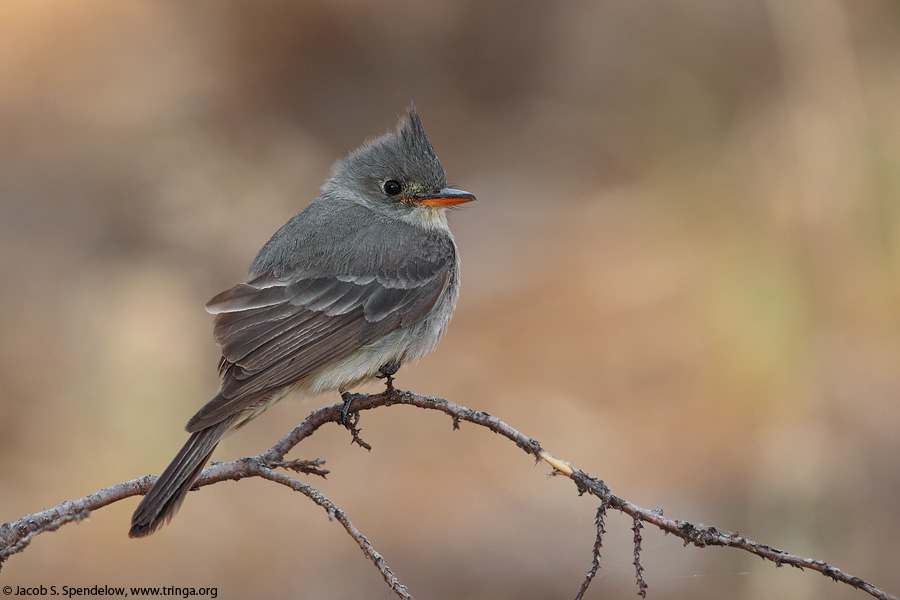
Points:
(348, 419)
(387, 372)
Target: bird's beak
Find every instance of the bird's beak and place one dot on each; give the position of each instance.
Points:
(446, 197)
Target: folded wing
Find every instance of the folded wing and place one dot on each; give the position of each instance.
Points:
(275, 330)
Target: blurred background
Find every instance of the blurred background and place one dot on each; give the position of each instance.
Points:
(681, 275)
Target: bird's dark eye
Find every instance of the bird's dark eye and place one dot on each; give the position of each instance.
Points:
(391, 187)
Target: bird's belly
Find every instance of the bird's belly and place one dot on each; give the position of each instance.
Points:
(400, 346)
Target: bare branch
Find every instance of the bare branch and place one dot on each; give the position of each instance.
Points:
(15, 536)
(702, 537)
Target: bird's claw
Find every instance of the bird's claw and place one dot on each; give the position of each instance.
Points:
(348, 420)
(387, 372)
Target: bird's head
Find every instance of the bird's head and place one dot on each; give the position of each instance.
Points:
(397, 172)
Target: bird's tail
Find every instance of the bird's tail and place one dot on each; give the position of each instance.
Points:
(169, 490)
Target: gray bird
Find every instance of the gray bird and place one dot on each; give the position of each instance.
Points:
(361, 281)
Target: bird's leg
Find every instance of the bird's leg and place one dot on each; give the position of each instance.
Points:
(387, 372)
(347, 397)
(350, 422)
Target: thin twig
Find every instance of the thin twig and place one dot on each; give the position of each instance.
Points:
(600, 523)
(337, 514)
(638, 567)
